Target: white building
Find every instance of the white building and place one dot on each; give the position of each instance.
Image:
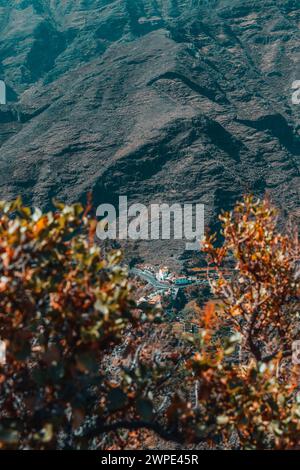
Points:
(2, 92)
(163, 273)
(2, 352)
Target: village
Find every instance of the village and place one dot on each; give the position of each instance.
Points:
(163, 288)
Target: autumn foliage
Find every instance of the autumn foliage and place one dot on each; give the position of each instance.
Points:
(262, 297)
(85, 368)
(61, 306)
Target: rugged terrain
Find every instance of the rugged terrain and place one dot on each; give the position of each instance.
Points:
(162, 100)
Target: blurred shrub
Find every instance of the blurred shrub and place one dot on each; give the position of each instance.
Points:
(82, 362)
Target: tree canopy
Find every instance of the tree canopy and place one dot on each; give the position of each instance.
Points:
(82, 361)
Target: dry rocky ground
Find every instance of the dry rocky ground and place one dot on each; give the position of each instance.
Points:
(166, 100)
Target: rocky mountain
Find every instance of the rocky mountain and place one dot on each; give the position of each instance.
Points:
(162, 100)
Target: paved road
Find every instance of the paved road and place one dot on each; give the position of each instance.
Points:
(149, 277)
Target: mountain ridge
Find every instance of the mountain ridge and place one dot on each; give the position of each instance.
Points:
(165, 101)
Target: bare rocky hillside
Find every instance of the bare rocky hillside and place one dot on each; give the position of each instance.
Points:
(162, 100)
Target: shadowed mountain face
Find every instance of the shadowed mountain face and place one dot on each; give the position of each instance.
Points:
(162, 100)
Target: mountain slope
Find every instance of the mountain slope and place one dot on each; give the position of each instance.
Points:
(161, 100)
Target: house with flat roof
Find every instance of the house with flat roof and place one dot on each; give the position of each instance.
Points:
(2, 92)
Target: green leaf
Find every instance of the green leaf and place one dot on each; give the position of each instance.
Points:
(10, 436)
(117, 399)
(145, 409)
(87, 362)
(24, 352)
(56, 372)
(39, 376)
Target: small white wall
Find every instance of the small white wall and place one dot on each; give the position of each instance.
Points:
(2, 92)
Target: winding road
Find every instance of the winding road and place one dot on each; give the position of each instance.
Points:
(150, 277)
